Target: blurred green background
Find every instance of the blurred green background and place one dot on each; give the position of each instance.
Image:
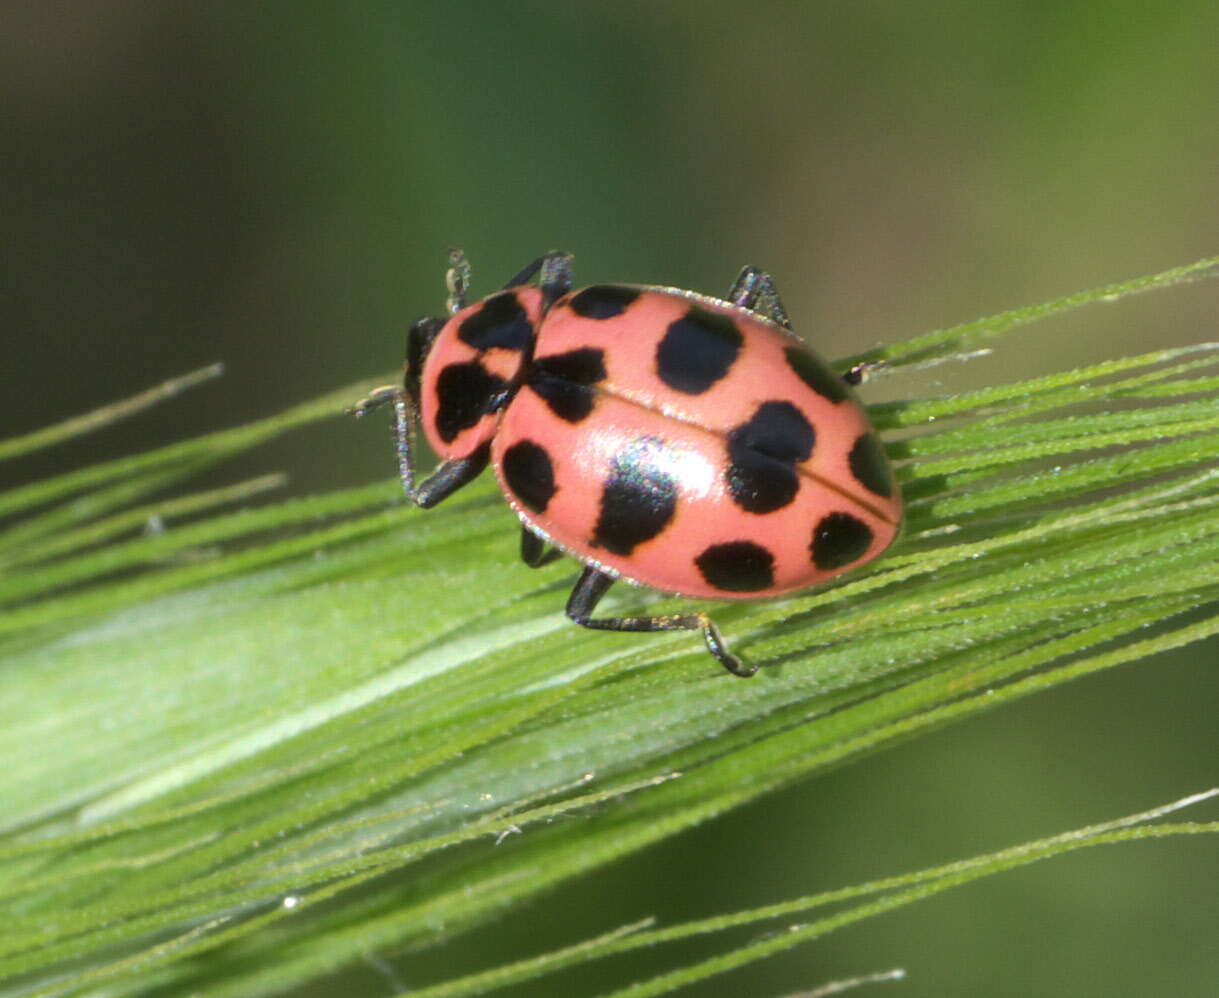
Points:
(275, 185)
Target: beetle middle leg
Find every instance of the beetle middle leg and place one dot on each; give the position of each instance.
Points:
(534, 552)
(593, 585)
(553, 271)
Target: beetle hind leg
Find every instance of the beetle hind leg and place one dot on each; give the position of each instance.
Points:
(755, 290)
(593, 585)
(860, 373)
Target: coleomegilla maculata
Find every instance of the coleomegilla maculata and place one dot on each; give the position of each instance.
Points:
(660, 436)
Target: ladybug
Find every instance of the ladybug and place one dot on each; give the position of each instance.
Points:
(678, 441)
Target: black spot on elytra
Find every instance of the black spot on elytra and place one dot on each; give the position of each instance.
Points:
(815, 374)
(529, 473)
(465, 392)
(697, 350)
(603, 301)
(585, 366)
(565, 381)
(838, 540)
(638, 498)
(870, 466)
(763, 454)
(737, 567)
(500, 321)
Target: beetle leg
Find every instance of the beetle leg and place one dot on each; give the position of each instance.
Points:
(457, 280)
(374, 400)
(593, 584)
(860, 373)
(554, 273)
(404, 427)
(555, 278)
(419, 340)
(755, 290)
(533, 550)
(449, 476)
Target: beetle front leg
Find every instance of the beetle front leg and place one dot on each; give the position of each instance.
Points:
(374, 400)
(449, 476)
(404, 419)
(593, 584)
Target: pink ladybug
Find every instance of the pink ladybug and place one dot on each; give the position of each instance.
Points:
(687, 443)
